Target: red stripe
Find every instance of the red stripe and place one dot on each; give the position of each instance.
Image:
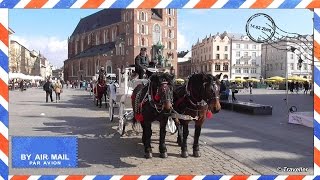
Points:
(205, 4)
(293, 177)
(36, 4)
(4, 34)
(4, 145)
(239, 178)
(316, 104)
(184, 178)
(314, 4)
(92, 4)
(317, 156)
(20, 177)
(316, 49)
(129, 177)
(75, 177)
(4, 91)
(149, 3)
(261, 4)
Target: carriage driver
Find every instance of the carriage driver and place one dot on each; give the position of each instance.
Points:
(141, 62)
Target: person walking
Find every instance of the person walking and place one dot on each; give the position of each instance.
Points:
(234, 91)
(306, 87)
(58, 90)
(250, 86)
(48, 88)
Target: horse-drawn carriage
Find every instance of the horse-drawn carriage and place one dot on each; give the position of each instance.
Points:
(159, 98)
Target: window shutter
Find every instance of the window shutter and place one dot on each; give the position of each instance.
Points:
(138, 13)
(172, 12)
(147, 42)
(166, 22)
(165, 33)
(172, 45)
(146, 17)
(172, 34)
(138, 41)
(172, 22)
(166, 11)
(138, 28)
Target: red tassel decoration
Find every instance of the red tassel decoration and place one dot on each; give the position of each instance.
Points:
(209, 114)
(157, 97)
(139, 117)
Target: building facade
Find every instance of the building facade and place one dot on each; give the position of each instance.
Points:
(184, 64)
(245, 58)
(278, 56)
(112, 38)
(212, 55)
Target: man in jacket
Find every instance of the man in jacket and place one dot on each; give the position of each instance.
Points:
(48, 86)
(141, 63)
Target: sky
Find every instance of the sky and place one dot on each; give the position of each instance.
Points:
(47, 30)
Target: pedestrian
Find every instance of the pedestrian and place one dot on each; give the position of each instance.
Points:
(21, 85)
(48, 88)
(297, 87)
(58, 90)
(250, 86)
(306, 87)
(234, 91)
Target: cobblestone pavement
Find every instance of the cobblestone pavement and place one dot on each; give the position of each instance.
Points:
(100, 147)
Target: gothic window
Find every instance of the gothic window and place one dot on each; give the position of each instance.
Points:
(170, 22)
(156, 34)
(142, 42)
(170, 45)
(142, 17)
(127, 29)
(142, 29)
(127, 17)
(170, 33)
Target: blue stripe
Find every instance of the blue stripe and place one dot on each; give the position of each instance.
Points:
(9, 4)
(267, 177)
(288, 4)
(102, 177)
(235, 4)
(316, 76)
(4, 116)
(4, 170)
(48, 177)
(63, 4)
(316, 22)
(121, 4)
(4, 61)
(316, 127)
(157, 177)
(213, 177)
(317, 178)
(177, 4)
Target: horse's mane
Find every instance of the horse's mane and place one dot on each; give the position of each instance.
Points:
(159, 77)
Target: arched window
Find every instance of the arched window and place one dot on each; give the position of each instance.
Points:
(170, 22)
(142, 29)
(127, 29)
(127, 17)
(142, 42)
(89, 39)
(169, 11)
(169, 45)
(170, 33)
(142, 17)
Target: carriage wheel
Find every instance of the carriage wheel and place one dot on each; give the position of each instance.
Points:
(122, 119)
(111, 109)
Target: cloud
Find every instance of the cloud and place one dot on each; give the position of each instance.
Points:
(183, 43)
(53, 48)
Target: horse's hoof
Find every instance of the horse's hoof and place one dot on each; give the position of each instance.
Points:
(148, 155)
(164, 155)
(196, 153)
(184, 154)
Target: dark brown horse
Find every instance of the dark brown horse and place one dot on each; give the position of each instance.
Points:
(150, 103)
(199, 97)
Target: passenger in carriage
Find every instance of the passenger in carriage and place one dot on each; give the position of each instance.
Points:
(141, 63)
